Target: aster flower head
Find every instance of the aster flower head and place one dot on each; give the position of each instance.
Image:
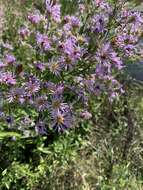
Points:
(103, 58)
(41, 103)
(57, 104)
(86, 115)
(32, 86)
(7, 78)
(107, 57)
(7, 46)
(69, 63)
(69, 46)
(26, 121)
(10, 59)
(133, 17)
(73, 21)
(71, 53)
(2, 65)
(16, 95)
(40, 66)
(103, 5)
(100, 70)
(55, 68)
(34, 18)
(24, 32)
(129, 50)
(98, 23)
(116, 60)
(54, 10)
(40, 128)
(43, 41)
(82, 7)
(54, 89)
(61, 121)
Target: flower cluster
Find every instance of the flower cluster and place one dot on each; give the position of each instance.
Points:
(68, 61)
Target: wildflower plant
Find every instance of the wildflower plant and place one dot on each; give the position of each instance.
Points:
(62, 63)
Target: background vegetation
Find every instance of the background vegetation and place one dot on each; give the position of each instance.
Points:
(105, 153)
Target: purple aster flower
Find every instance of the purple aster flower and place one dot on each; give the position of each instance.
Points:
(41, 103)
(58, 105)
(116, 61)
(67, 28)
(59, 89)
(40, 128)
(82, 7)
(10, 59)
(34, 18)
(32, 86)
(69, 46)
(132, 17)
(7, 46)
(107, 57)
(124, 39)
(43, 41)
(103, 5)
(54, 88)
(24, 32)
(71, 53)
(56, 13)
(61, 121)
(55, 68)
(26, 121)
(7, 78)
(75, 22)
(98, 23)
(129, 49)
(67, 63)
(103, 53)
(40, 66)
(16, 95)
(72, 21)
(54, 10)
(2, 65)
(101, 71)
(86, 115)
(113, 96)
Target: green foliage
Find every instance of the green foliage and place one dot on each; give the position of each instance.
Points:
(103, 154)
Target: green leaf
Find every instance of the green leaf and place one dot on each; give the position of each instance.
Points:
(9, 134)
(43, 150)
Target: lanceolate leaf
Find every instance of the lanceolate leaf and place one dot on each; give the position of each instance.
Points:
(9, 134)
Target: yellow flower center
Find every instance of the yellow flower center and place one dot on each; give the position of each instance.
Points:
(60, 119)
(56, 104)
(54, 66)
